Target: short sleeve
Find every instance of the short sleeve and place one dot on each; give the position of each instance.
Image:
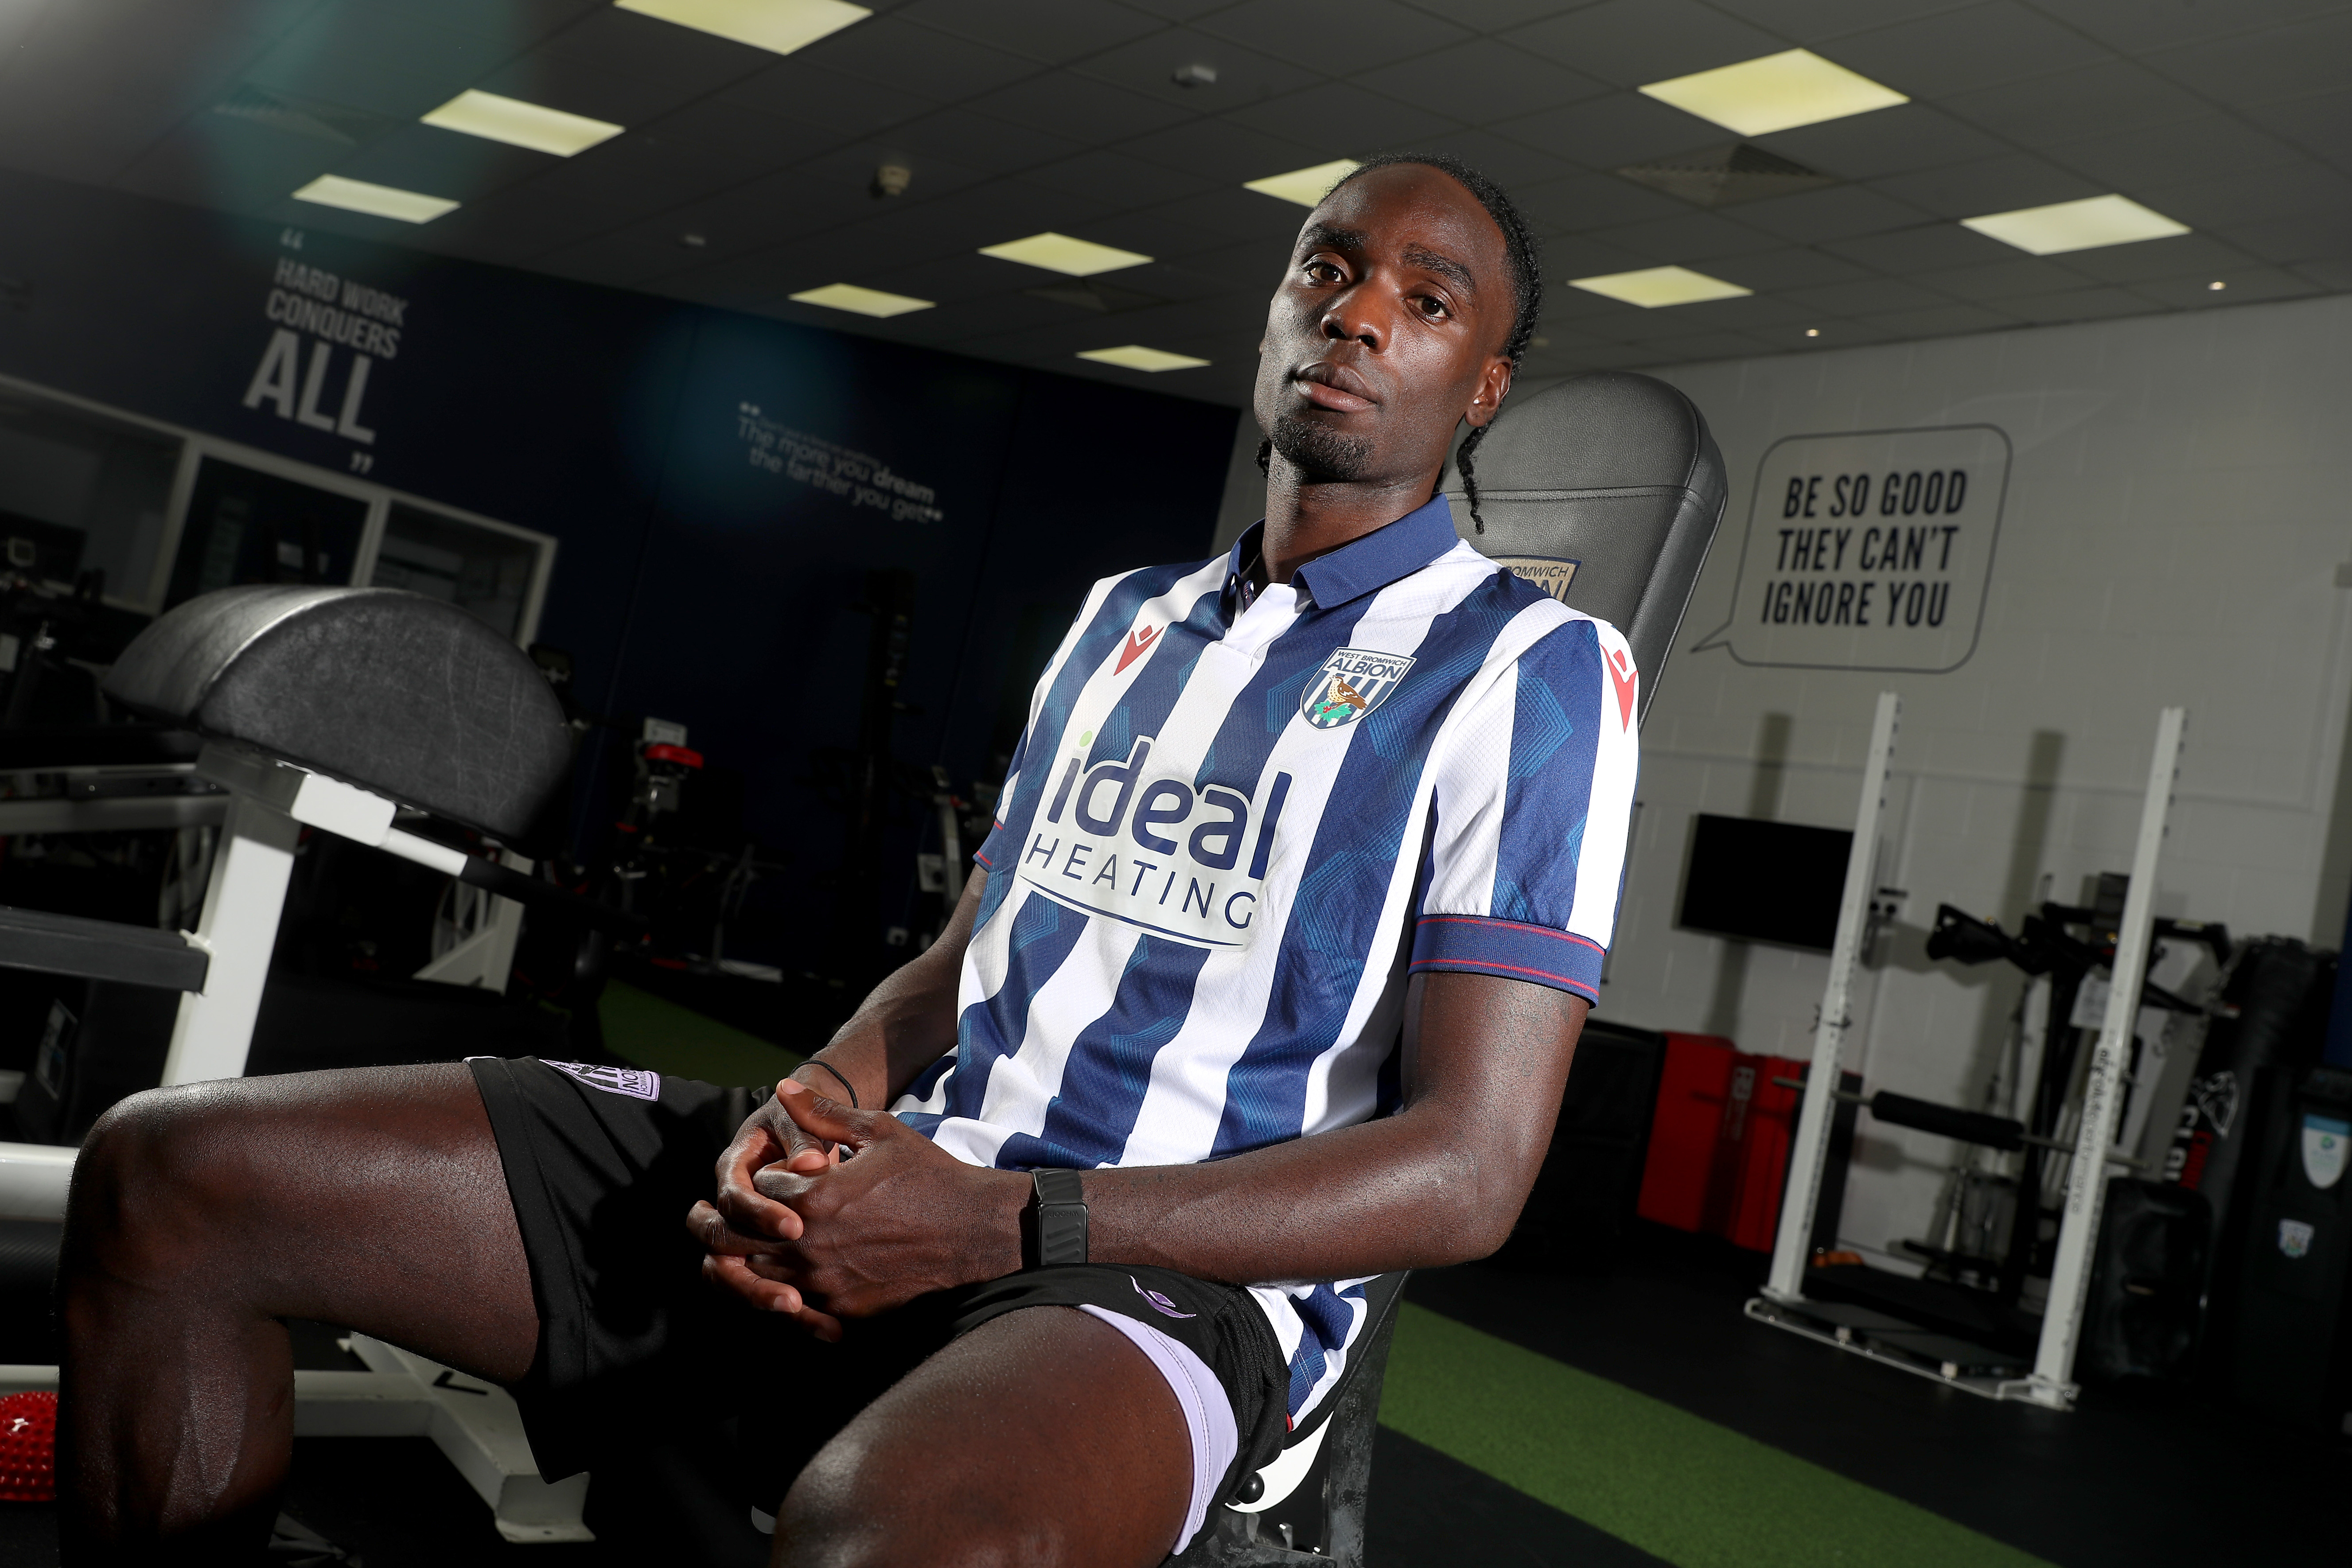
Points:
(1532, 800)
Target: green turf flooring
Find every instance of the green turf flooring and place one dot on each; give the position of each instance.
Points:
(644, 1028)
(1684, 1489)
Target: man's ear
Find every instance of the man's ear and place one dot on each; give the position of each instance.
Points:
(1492, 387)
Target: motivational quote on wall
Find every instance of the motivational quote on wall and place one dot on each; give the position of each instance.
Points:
(1869, 551)
(827, 466)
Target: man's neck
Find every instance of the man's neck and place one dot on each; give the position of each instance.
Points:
(1305, 520)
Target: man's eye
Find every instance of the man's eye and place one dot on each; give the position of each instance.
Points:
(1322, 272)
(1432, 308)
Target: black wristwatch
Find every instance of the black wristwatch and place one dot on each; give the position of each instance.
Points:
(1056, 1221)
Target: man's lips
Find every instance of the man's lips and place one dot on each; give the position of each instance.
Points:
(1333, 387)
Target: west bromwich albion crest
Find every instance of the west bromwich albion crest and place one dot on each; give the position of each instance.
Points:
(1351, 683)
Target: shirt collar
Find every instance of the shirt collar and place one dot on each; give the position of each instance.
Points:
(1360, 566)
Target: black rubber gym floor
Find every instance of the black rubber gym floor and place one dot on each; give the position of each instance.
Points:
(2146, 1478)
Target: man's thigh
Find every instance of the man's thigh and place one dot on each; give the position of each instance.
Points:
(1044, 1436)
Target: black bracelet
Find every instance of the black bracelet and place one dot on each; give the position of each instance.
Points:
(846, 1084)
(1056, 1224)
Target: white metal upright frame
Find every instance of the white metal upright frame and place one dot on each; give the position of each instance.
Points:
(2052, 1382)
(1786, 1281)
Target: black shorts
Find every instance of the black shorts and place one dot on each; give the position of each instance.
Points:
(602, 1165)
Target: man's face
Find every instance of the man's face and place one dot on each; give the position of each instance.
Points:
(1388, 330)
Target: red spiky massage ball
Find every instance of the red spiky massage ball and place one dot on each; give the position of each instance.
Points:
(28, 1447)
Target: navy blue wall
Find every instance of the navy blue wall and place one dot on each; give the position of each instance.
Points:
(701, 575)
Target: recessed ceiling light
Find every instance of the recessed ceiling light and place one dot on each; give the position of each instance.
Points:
(2217, 285)
(1776, 93)
(782, 26)
(1655, 286)
(1813, 331)
(1060, 253)
(2085, 225)
(864, 301)
(376, 201)
(1135, 356)
(520, 124)
(1304, 186)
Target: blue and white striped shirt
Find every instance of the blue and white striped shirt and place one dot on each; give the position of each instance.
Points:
(1231, 834)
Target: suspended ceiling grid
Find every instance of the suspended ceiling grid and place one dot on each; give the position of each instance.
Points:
(2231, 116)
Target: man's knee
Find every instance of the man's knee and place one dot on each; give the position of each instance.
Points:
(854, 1508)
(155, 1183)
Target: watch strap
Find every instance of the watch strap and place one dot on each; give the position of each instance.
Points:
(1059, 1225)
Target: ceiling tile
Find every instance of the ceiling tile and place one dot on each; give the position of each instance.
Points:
(1116, 178)
(2333, 276)
(1230, 211)
(444, 163)
(1777, 270)
(1956, 50)
(2109, 95)
(1838, 212)
(1705, 346)
(1687, 238)
(1811, 21)
(1370, 32)
(1077, 108)
(2137, 26)
(1938, 320)
(1585, 202)
(1610, 132)
(1229, 153)
(725, 123)
(1990, 185)
(2277, 62)
(1040, 28)
(1568, 256)
(1928, 248)
(1884, 142)
(2244, 198)
(2178, 256)
(1628, 43)
(618, 66)
(841, 104)
(1340, 111)
(2209, 147)
(2247, 286)
(1864, 297)
(1481, 81)
(897, 53)
(2324, 236)
(2003, 279)
(2078, 305)
(1149, 65)
(2320, 124)
(377, 60)
(1495, 15)
(976, 141)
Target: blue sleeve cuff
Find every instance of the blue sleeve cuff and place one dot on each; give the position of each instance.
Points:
(1510, 948)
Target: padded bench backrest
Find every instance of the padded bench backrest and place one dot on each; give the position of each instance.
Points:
(390, 690)
(1611, 481)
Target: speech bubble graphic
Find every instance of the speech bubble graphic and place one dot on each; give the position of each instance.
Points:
(1871, 550)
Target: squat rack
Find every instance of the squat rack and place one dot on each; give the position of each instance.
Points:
(1784, 1302)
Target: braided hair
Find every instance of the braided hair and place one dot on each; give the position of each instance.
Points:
(1527, 288)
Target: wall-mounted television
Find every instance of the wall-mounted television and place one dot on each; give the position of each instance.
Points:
(1766, 882)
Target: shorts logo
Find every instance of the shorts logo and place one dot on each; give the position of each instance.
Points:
(1160, 1304)
(635, 1082)
(2295, 1237)
(1351, 683)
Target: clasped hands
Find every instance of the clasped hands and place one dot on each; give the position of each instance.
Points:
(823, 1212)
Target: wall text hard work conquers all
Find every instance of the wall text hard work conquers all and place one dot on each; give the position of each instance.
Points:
(348, 326)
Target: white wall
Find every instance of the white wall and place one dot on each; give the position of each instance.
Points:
(2175, 516)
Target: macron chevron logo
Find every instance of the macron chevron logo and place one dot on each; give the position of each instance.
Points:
(1623, 675)
(1139, 642)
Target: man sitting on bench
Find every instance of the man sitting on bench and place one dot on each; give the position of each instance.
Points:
(1265, 985)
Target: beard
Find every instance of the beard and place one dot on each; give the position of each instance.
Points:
(1321, 454)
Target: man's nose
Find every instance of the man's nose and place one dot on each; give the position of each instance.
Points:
(1351, 316)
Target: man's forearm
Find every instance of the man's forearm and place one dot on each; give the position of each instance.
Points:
(905, 1023)
(1405, 1192)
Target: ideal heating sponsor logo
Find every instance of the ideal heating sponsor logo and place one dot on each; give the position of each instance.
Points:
(1154, 851)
